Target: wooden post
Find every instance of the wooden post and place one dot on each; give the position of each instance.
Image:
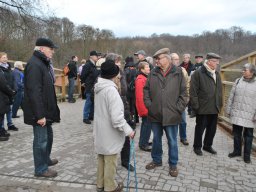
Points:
(222, 76)
(63, 89)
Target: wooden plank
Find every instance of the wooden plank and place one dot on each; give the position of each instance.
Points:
(232, 70)
(228, 83)
(245, 57)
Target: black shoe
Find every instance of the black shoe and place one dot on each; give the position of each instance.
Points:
(72, 101)
(189, 112)
(184, 141)
(210, 150)
(126, 165)
(4, 138)
(198, 152)
(146, 148)
(87, 121)
(150, 143)
(4, 133)
(13, 128)
(234, 154)
(91, 118)
(246, 160)
(16, 116)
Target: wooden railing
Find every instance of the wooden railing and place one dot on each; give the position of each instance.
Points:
(229, 73)
(61, 84)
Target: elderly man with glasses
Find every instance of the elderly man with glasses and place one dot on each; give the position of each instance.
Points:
(206, 100)
(165, 96)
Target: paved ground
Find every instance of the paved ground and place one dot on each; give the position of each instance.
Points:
(73, 146)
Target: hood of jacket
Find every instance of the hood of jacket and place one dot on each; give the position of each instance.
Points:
(102, 84)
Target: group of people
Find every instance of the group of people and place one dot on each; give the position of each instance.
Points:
(11, 94)
(115, 96)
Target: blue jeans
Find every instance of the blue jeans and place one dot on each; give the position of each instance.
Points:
(9, 119)
(87, 105)
(42, 147)
(71, 88)
(157, 151)
(17, 102)
(183, 127)
(145, 131)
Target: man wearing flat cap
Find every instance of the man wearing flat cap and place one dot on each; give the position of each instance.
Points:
(199, 58)
(206, 101)
(40, 105)
(88, 79)
(165, 97)
(141, 57)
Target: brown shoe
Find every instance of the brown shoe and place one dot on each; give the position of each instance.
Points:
(152, 165)
(48, 173)
(184, 141)
(119, 187)
(53, 162)
(173, 171)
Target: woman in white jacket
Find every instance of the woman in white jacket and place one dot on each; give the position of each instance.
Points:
(110, 127)
(241, 108)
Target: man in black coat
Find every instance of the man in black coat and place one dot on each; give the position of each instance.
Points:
(6, 93)
(88, 79)
(40, 105)
(72, 76)
(206, 101)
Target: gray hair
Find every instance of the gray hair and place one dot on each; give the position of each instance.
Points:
(169, 58)
(113, 57)
(150, 60)
(250, 67)
(173, 54)
(37, 48)
(186, 54)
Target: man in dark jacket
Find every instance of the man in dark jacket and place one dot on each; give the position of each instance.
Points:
(6, 93)
(165, 97)
(206, 101)
(40, 105)
(88, 79)
(199, 58)
(72, 76)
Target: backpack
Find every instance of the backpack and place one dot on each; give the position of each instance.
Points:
(66, 70)
(131, 74)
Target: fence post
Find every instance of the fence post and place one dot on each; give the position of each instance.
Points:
(63, 89)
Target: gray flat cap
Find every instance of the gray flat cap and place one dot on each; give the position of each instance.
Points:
(212, 56)
(162, 51)
(199, 55)
(142, 52)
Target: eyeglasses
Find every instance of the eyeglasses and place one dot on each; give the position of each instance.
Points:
(159, 58)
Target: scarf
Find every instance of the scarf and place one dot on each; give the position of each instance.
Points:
(212, 72)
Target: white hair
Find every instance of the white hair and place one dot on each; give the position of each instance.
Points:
(37, 48)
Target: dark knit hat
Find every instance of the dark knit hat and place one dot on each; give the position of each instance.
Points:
(94, 53)
(45, 42)
(109, 69)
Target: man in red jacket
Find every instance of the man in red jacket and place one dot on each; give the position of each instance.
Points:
(145, 129)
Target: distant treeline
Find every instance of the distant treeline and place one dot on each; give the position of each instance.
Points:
(19, 32)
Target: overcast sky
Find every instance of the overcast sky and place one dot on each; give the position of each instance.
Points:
(145, 17)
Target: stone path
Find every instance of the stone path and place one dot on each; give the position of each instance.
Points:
(73, 146)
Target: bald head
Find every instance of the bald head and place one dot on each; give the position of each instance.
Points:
(175, 59)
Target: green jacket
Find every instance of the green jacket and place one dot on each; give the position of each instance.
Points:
(165, 97)
(205, 94)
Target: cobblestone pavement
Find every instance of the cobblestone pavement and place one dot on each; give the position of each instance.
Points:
(73, 146)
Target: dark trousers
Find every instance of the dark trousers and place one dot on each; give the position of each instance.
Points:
(248, 138)
(1, 118)
(125, 153)
(208, 122)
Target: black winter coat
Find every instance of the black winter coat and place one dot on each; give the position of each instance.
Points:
(205, 94)
(6, 91)
(72, 69)
(89, 75)
(39, 92)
